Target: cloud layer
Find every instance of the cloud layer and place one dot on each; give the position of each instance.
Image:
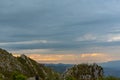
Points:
(64, 26)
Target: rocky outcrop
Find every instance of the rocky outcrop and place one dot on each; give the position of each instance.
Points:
(23, 65)
(84, 72)
(8, 63)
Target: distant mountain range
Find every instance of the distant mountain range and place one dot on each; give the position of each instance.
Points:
(111, 68)
(111, 64)
(59, 67)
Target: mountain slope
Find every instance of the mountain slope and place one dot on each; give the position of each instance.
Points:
(24, 65)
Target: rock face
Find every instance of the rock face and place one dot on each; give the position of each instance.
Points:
(24, 65)
(84, 72)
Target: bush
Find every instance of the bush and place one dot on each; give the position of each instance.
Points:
(1, 76)
(18, 76)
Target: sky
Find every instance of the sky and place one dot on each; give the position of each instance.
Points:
(61, 31)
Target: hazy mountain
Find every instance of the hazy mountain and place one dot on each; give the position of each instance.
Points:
(111, 68)
(111, 64)
(59, 67)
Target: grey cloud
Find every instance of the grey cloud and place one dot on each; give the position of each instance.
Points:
(59, 20)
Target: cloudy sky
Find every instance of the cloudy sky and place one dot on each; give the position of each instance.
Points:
(66, 31)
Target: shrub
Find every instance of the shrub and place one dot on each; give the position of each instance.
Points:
(18, 76)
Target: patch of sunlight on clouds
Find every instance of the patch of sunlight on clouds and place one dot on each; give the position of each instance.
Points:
(70, 58)
(95, 57)
(99, 38)
(16, 55)
(86, 37)
(92, 55)
(114, 38)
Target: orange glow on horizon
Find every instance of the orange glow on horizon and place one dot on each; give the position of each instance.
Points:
(69, 58)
